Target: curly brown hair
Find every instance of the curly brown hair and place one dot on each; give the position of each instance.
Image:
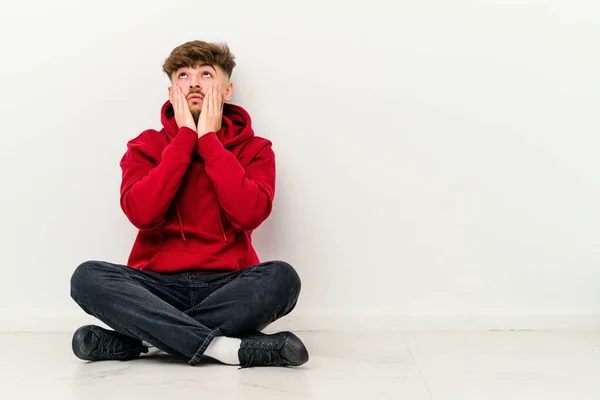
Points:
(197, 52)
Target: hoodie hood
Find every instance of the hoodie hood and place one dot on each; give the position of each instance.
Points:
(236, 126)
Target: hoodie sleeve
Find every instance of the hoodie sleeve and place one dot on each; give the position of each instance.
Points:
(245, 194)
(148, 188)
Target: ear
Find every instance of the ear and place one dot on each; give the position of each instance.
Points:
(228, 91)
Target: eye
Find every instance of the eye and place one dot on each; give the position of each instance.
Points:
(204, 74)
(182, 75)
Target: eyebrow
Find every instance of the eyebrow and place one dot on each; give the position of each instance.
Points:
(207, 65)
(202, 66)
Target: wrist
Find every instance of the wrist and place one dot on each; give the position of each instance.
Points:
(209, 146)
(204, 131)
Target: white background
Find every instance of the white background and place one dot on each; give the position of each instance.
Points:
(437, 161)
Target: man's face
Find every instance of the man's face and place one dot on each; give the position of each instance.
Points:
(195, 83)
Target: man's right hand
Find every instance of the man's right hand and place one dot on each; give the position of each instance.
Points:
(183, 115)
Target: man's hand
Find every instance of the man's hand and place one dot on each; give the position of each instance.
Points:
(211, 116)
(183, 115)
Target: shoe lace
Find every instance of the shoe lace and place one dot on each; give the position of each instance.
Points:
(115, 346)
(261, 352)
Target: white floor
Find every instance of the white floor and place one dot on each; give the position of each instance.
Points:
(378, 365)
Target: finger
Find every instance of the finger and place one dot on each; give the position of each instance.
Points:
(205, 102)
(221, 101)
(215, 99)
(182, 101)
(176, 98)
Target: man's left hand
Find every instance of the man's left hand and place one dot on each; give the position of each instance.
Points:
(211, 115)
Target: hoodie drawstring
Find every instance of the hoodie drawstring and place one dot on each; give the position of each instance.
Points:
(221, 224)
(180, 221)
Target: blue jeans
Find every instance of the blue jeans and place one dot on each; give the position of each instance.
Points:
(181, 313)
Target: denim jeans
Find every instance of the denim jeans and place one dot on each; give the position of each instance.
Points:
(180, 313)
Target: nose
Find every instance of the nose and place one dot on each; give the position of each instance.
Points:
(195, 84)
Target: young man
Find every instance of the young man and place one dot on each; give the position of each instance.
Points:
(196, 189)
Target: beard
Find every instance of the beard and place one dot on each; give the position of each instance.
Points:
(195, 108)
(195, 114)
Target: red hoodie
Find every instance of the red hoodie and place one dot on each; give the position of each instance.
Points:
(196, 200)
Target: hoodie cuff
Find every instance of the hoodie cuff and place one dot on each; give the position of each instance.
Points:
(185, 140)
(209, 146)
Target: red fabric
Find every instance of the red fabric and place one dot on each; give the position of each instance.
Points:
(196, 200)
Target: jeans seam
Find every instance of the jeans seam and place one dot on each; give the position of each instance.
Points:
(191, 291)
(211, 295)
(154, 281)
(197, 357)
(133, 277)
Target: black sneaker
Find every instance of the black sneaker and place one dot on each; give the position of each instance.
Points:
(93, 343)
(279, 349)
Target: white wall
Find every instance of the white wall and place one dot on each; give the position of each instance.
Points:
(437, 161)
